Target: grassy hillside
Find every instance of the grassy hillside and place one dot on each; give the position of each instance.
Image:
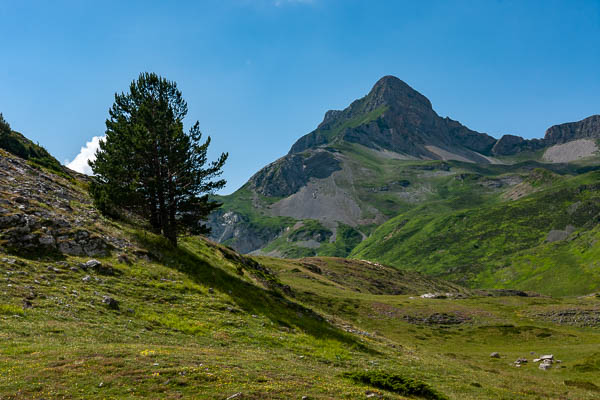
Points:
(507, 243)
(373, 187)
(200, 321)
(204, 322)
(19, 145)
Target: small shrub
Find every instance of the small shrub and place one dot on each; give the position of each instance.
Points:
(583, 385)
(395, 383)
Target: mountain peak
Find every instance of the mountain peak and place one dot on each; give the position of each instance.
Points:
(393, 92)
(393, 116)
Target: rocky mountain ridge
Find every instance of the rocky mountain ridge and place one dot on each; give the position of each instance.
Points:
(405, 122)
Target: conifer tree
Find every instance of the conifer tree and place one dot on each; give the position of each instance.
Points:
(149, 165)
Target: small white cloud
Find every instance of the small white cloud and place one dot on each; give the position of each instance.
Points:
(87, 153)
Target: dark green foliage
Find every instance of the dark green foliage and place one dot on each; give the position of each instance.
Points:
(4, 126)
(19, 145)
(395, 383)
(311, 230)
(346, 239)
(590, 364)
(148, 165)
(583, 385)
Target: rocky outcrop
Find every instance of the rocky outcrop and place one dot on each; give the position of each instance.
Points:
(584, 129)
(511, 144)
(235, 230)
(287, 175)
(41, 212)
(588, 128)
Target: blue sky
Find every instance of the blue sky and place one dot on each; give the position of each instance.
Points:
(260, 74)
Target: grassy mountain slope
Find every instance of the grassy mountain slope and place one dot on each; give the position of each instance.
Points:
(202, 321)
(17, 144)
(544, 241)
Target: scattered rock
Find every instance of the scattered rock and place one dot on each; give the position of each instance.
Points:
(110, 302)
(546, 361)
(434, 296)
(495, 354)
(86, 278)
(99, 267)
(437, 319)
(545, 364)
(237, 395)
(91, 264)
(520, 361)
(583, 317)
(47, 240)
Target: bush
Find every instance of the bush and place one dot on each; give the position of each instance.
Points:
(395, 383)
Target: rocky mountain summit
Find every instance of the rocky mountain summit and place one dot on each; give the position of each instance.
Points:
(395, 117)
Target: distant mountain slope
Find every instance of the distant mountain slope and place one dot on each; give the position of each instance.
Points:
(544, 241)
(383, 155)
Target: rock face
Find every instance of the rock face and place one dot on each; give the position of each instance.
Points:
(588, 128)
(43, 212)
(236, 230)
(584, 129)
(510, 144)
(288, 174)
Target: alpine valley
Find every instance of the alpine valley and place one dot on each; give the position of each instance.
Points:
(389, 180)
(391, 254)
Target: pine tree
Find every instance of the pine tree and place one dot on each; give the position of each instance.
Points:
(149, 165)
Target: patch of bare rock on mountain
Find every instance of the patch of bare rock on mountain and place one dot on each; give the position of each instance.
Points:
(571, 151)
(41, 211)
(322, 200)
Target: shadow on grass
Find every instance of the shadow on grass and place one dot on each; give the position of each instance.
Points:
(250, 298)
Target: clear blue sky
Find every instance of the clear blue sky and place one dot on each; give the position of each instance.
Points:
(259, 74)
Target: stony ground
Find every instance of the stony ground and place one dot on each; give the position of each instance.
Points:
(44, 212)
